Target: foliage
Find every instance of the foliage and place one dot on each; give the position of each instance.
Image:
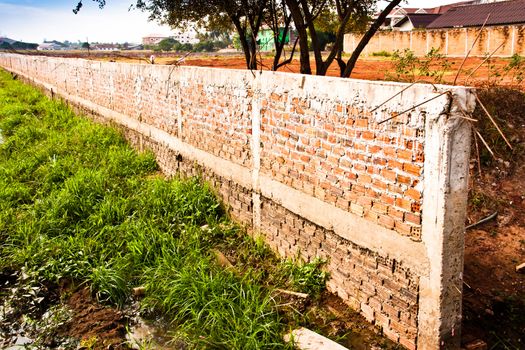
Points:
(411, 68)
(382, 54)
(307, 277)
(512, 74)
(167, 44)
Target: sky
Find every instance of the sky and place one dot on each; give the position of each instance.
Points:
(39, 20)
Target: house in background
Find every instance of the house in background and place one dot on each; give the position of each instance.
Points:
(52, 45)
(105, 47)
(187, 37)
(153, 39)
(399, 14)
(474, 15)
(10, 44)
(415, 21)
(266, 41)
(453, 32)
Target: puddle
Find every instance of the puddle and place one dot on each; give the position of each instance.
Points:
(145, 334)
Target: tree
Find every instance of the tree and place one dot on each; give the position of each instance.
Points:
(308, 15)
(311, 18)
(167, 44)
(350, 64)
(245, 16)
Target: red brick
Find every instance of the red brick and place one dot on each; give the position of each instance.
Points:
(361, 123)
(405, 154)
(374, 149)
(392, 163)
(413, 218)
(390, 151)
(379, 208)
(404, 204)
(386, 221)
(408, 343)
(389, 174)
(284, 133)
(368, 135)
(387, 199)
(364, 201)
(414, 194)
(404, 229)
(406, 180)
(412, 169)
(364, 178)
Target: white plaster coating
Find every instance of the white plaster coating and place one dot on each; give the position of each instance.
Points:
(256, 153)
(444, 208)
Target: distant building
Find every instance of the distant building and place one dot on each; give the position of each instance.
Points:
(105, 47)
(415, 21)
(49, 47)
(399, 13)
(494, 13)
(52, 45)
(187, 37)
(10, 44)
(266, 41)
(153, 39)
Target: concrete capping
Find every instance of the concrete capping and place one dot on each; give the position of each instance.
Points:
(447, 154)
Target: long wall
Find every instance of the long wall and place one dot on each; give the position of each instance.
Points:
(454, 42)
(321, 167)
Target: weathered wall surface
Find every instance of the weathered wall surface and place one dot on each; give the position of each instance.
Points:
(455, 42)
(306, 162)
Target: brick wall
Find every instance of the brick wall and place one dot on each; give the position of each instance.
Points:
(308, 163)
(454, 42)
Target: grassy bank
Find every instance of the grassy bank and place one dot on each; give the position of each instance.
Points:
(77, 203)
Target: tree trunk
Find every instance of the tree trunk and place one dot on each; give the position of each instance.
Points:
(303, 36)
(366, 38)
(244, 43)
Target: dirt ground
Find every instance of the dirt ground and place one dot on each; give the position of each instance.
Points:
(368, 67)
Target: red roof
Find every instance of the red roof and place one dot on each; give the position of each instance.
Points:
(444, 8)
(498, 13)
(418, 20)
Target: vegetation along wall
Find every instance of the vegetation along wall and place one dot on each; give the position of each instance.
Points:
(502, 41)
(309, 163)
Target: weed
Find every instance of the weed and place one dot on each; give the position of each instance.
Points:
(307, 277)
(382, 53)
(411, 68)
(512, 74)
(89, 343)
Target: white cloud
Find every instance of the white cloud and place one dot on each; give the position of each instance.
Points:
(112, 24)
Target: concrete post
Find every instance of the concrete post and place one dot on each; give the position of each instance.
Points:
(447, 150)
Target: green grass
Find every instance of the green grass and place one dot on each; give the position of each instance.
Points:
(76, 202)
